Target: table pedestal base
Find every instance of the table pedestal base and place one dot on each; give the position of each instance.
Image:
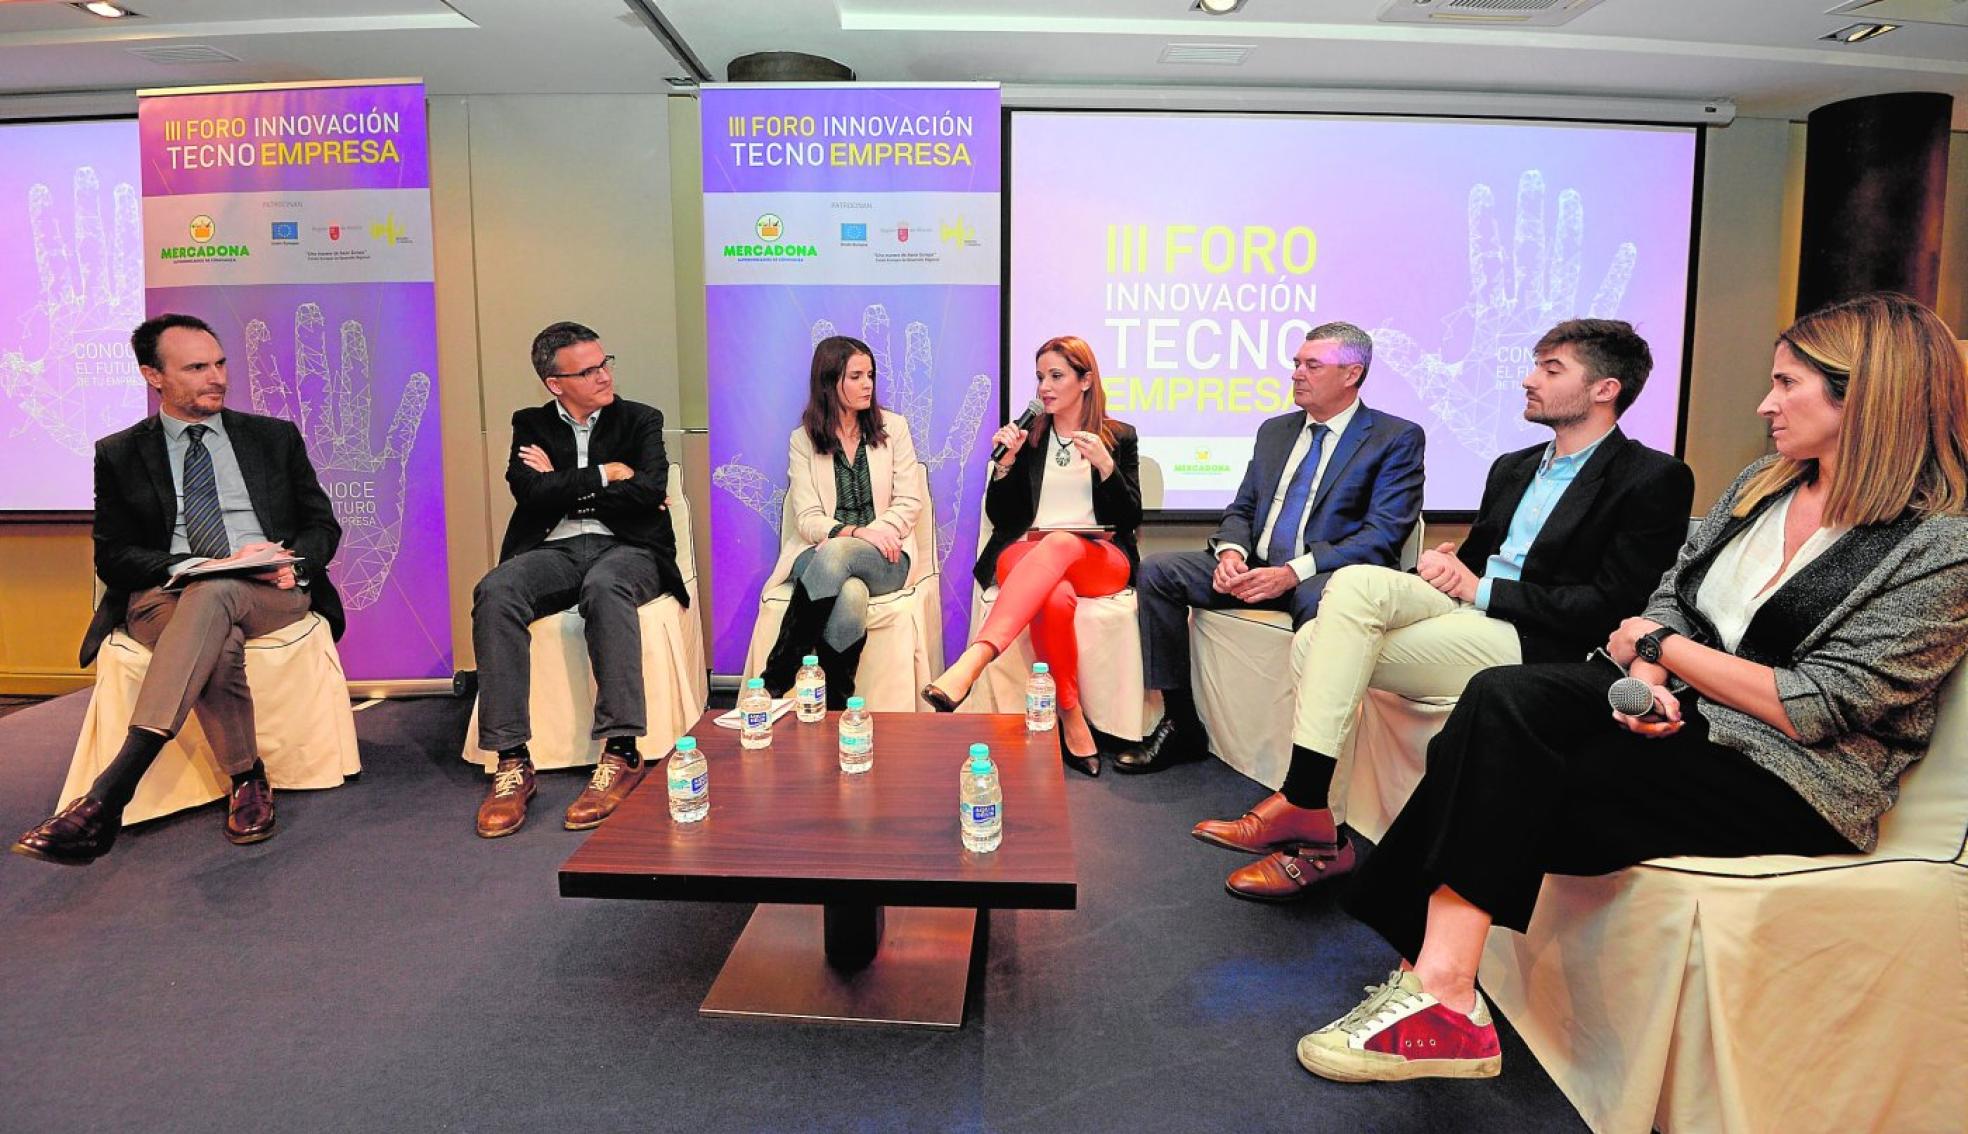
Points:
(900, 965)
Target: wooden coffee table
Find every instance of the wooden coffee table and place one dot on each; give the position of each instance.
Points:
(870, 909)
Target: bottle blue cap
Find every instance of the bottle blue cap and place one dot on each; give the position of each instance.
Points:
(686, 744)
(980, 758)
(856, 703)
(755, 683)
(810, 659)
(1041, 667)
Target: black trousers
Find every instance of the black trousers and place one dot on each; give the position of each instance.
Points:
(1531, 776)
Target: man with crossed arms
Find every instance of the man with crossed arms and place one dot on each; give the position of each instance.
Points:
(1571, 537)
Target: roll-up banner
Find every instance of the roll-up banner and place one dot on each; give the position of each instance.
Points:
(296, 220)
(863, 210)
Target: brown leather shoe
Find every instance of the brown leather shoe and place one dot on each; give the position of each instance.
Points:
(249, 813)
(1287, 875)
(1270, 826)
(504, 808)
(611, 783)
(76, 835)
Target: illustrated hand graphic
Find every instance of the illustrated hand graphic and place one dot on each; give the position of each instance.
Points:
(1470, 381)
(367, 485)
(91, 291)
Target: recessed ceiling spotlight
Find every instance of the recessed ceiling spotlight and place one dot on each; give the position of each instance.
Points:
(1859, 33)
(106, 10)
(1216, 7)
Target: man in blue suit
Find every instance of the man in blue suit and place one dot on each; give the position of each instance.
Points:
(1328, 486)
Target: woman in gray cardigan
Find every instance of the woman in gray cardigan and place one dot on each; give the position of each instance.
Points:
(1793, 651)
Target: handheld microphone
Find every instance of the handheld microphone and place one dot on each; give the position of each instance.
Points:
(1033, 409)
(1635, 698)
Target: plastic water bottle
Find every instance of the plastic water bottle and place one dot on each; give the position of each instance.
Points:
(857, 737)
(690, 782)
(810, 691)
(983, 814)
(755, 704)
(1041, 700)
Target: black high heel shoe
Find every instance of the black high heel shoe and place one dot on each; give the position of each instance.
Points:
(942, 702)
(1084, 765)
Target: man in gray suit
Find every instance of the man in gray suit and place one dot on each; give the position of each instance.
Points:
(1329, 485)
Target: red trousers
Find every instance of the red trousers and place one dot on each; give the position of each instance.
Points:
(1038, 584)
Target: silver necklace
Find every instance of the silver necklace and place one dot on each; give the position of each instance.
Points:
(1063, 455)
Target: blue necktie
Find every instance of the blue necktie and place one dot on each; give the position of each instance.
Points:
(204, 522)
(1291, 515)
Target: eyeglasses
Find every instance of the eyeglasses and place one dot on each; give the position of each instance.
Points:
(592, 372)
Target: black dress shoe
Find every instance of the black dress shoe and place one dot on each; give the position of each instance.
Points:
(76, 835)
(1167, 745)
(249, 813)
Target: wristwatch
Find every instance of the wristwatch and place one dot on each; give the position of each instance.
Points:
(1648, 646)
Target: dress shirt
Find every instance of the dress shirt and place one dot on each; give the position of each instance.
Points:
(574, 524)
(1554, 475)
(1745, 572)
(1302, 566)
(1065, 492)
(242, 524)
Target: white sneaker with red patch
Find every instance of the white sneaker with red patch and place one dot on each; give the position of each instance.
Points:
(1401, 1032)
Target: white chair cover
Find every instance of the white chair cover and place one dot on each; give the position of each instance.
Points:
(1739, 994)
(301, 718)
(1240, 669)
(675, 681)
(1111, 689)
(905, 627)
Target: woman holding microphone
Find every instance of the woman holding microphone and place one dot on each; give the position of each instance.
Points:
(851, 485)
(1064, 503)
(1793, 653)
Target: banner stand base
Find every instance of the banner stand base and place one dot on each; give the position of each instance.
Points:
(408, 687)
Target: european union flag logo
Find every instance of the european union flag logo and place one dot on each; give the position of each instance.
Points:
(286, 230)
(854, 232)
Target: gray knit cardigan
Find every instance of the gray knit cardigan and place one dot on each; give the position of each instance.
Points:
(1860, 688)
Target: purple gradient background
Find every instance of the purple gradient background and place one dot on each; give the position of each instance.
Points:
(1389, 200)
(406, 632)
(405, 101)
(980, 104)
(761, 348)
(36, 470)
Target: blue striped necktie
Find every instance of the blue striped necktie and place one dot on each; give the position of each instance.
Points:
(204, 522)
(1291, 514)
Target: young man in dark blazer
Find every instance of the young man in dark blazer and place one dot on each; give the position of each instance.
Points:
(1329, 485)
(590, 528)
(1572, 535)
(193, 483)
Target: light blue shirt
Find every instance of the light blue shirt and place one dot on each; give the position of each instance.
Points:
(574, 524)
(242, 524)
(1554, 475)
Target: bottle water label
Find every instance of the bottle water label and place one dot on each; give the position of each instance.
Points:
(856, 744)
(690, 788)
(758, 721)
(1038, 702)
(978, 812)
(813, 697)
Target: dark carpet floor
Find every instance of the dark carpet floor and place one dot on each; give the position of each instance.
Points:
(377, 967)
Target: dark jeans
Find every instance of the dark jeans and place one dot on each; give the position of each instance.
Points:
(1531, 776)
(608, 580)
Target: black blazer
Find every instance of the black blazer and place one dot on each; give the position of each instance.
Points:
(1012, 500)
(1601, 552)
(137, 506)
(633, 509)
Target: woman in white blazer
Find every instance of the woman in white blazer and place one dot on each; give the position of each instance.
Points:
(851, 485)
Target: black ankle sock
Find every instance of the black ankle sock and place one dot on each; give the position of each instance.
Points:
(1179, 709)
(516, 752)
(625, 747)
(1309, 779)
(256, 772)
(118, 782)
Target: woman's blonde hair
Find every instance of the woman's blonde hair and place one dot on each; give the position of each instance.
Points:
(1894, 366)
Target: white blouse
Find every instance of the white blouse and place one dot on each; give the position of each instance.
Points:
(1065, 491)
(1735, 590)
